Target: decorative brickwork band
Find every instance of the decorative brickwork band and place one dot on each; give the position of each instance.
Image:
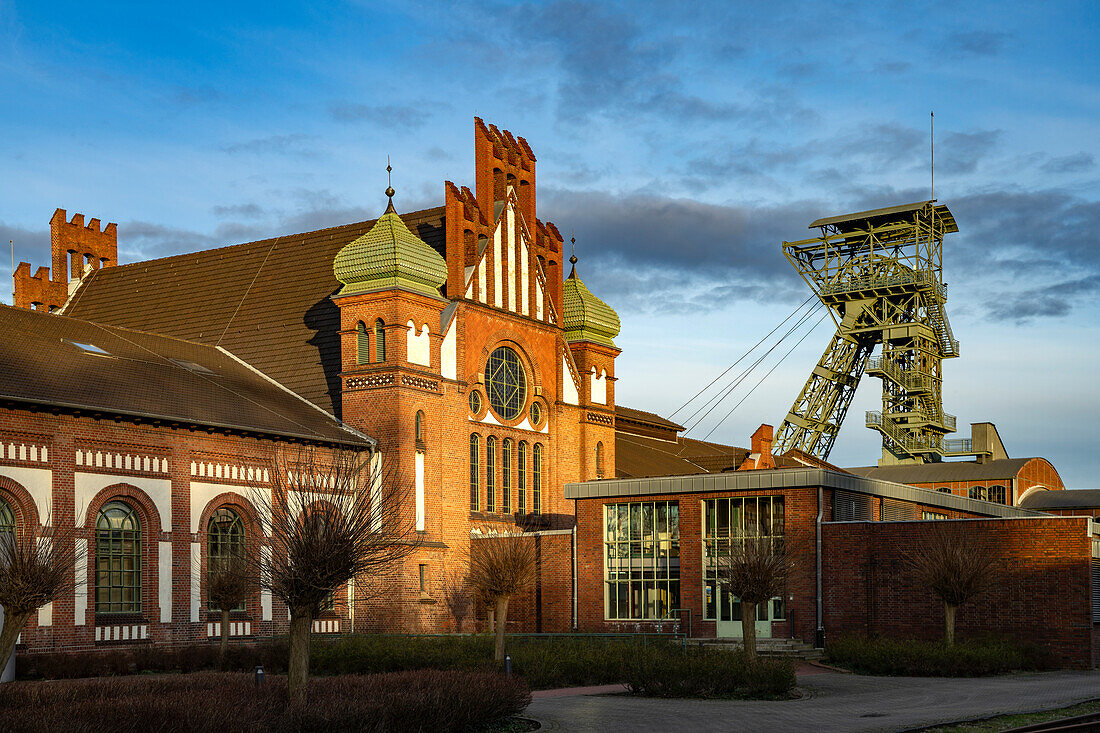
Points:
(595, 417)
(420, 383)
(373, 380)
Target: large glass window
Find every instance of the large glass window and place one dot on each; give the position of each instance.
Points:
(7, 525)
(521, 478)
(490, 474)
(118, 559)
(505, 383)
(978, 492)
(997, 494)
(536, 480)
(475, 472)
(225, 541)
(730, 520)
(506, 476)
(641, 560)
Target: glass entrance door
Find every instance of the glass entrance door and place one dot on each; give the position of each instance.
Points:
(729, 617)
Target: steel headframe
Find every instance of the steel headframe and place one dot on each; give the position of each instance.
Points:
(880, 275)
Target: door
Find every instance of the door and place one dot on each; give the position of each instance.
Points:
(729, 617)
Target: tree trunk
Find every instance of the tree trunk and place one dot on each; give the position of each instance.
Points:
(224, 650)
(748, 629)
(492, 620)
(301, 627)
(13, 625)
(949, 623)
(501, 619)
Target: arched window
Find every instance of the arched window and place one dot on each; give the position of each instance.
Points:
(599, 460)
(475, 472)
(490, 474)
(224, 542)
(7, 525)
(379, 340)
(418, 426)
(536, 480)
(506, 476)
(117, 559)
(362, 344)
(944, 490)
(978, 492)
(997, 494)
(521, 478)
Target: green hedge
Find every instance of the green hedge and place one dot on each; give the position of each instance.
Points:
(973, 658)
(698, 672)
(449, 702)
(659, 667)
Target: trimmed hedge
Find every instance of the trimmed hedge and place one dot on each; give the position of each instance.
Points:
(909, 658)
(214, 701)
(699, 672)
(658, 667)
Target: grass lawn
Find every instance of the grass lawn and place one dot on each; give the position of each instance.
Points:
(1006, 722)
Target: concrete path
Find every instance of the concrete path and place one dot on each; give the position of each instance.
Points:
(831, 702)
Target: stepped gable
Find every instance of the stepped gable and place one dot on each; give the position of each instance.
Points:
(268, 302)
(68, 365)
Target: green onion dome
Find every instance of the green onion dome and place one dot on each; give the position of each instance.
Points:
(389, 256)
(585, 317)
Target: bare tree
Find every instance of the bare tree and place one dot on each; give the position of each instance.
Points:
(755, 569)
(956, 565)
(230, 582)
(34, 570)
(456, 596)
(502, 564)
(329, 518)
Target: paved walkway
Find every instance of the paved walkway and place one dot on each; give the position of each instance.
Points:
(831, 702)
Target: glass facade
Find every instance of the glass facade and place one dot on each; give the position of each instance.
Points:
(641, 560)
(730, 520)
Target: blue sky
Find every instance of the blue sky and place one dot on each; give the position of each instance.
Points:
(682, 143)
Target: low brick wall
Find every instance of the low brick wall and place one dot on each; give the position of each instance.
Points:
(1043, 594)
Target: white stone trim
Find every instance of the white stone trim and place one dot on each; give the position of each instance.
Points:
(326, 626)
(164, 586)
(448, 353)
(201, 496)
(39, 484)
(265, 594)
(419, 484)
(135, 632)
(236, 628)
(87, 485)
(80, 594)
(196, 581)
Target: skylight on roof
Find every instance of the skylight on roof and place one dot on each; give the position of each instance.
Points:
(191, 366)
(89, 348)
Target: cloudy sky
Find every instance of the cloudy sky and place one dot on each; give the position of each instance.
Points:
(682, 142)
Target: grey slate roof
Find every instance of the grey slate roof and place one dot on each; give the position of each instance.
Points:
(150, 376)
(1062, 499)
(928, 473)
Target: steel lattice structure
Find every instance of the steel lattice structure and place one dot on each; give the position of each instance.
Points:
(880, 275)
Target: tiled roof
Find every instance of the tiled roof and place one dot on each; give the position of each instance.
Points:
(389, 256)
(57, 361)
(267, 302)
(1062, 499)
(638, 456)
(640, 416)
(584, 316)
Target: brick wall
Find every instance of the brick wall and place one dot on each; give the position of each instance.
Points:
(1043, 594)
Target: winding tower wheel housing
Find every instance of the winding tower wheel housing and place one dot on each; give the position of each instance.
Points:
(880, 274)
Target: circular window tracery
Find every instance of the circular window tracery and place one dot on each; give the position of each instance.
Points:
(475, 402)
(536, 414)
(505, 383)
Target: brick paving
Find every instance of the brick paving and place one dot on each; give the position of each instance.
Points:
(831, 701)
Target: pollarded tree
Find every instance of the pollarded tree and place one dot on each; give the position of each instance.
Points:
(955, 564)
(755, 569)
(230, 581)
(456, 596)
(329, 517)
(502, 565)
(35, 569)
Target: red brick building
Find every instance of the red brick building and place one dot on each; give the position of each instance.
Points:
(453, 337)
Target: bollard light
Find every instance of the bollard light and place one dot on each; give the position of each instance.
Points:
(508, 666)
(259, 675)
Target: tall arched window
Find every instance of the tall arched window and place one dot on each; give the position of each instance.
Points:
(536, 480)
(379, 340)
(490, 474)
(225, 541)
(506, 476)
(475, 472)
(7, 525)
(997, 494)
(978, 492)
(599, 460)
(118, 559)
(362, 344)
(521, 478)
(418, 427)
